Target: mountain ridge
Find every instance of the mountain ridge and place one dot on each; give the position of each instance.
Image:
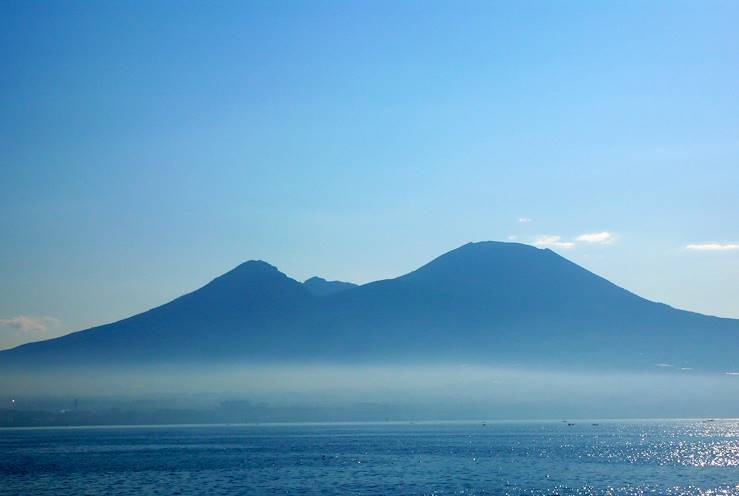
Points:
(483, 302)
(321, 287)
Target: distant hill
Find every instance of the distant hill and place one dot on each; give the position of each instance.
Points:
(487, 302)
(321, 287)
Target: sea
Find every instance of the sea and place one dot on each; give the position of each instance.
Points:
(562, 457)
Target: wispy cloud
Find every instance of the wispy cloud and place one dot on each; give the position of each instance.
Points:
(524, 220)
(551, 240)
(731, 373)
(713, 246)
(666, 365)
(28, 323)
(603, 237)
(512, 237)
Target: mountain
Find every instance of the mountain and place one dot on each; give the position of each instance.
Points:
(487, 302)
(321, 287)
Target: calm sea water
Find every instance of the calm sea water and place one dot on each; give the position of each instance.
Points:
(542, 458)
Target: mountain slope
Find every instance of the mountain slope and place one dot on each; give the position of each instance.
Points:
(515, 303)
(486, 302)
(252, 303)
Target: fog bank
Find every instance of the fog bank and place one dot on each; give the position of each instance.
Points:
(423, 392)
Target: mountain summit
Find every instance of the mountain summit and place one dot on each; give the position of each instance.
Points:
(487, 302)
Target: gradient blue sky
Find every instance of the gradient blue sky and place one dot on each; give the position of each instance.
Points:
(147, 147)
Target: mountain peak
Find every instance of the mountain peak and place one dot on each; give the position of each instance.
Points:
(477, 259)
(489, 247)
(255, 265)
(251, 274)
(321, 287)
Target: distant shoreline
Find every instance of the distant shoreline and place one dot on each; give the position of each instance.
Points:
(574, 422)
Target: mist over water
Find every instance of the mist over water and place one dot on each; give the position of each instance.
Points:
(424, 392)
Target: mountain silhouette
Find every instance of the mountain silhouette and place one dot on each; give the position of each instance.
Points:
(486, 302)
(321, 287)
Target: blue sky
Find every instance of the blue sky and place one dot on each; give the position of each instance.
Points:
(147, 147)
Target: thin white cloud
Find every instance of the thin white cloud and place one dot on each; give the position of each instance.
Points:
(512, 237)
(603, 237)
(663, 364)
(731, 373)
(28, 323)
(713, 246)
(551, 240)
(524, 220)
